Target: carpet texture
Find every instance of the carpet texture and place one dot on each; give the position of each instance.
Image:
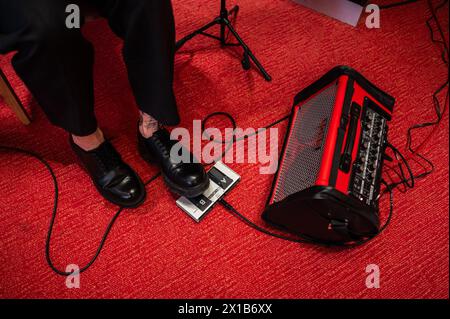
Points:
(157, 251)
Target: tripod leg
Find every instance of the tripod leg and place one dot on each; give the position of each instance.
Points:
(181, 42)
(223, 18)
(232, 17)
(234, 11)
(247, 52)
(246, 61)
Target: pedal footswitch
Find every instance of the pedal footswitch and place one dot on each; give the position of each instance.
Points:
(222, 180)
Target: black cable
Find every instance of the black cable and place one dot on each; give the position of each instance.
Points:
(444, 56)
(305, 240)
(236, 213)
(233, 122)
(50, 230)
(434, 17)
(234, 139)
(436, 103)
(408, 181)
(55, 210)
(302, 238)
(397, 4)
(102, 241)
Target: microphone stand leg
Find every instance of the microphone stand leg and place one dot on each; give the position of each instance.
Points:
(248, 54)
(224, 23)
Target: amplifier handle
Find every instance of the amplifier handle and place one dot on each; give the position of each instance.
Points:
(346, 157)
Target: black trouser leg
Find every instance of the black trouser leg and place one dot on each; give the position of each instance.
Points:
(53, 61)
(148, 30)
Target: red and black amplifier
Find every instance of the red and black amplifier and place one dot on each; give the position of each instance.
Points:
(327, 185)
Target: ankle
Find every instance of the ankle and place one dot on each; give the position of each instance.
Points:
(89, 142)
(148, 125)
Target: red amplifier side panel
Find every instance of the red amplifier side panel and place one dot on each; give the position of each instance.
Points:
(327, 166)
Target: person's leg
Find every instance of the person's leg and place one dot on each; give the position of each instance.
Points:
(53, 61)
(148, 30)
(56, 64)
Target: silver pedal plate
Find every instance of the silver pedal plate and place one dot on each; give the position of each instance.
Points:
(222, 180)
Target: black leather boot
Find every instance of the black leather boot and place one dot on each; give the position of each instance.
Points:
(114, 179)
(185, 179)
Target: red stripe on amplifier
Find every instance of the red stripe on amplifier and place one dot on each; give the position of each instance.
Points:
(327, 161)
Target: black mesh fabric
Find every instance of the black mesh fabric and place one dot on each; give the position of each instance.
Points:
(304, 149)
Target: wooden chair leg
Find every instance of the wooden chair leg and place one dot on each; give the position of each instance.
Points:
(12, 100)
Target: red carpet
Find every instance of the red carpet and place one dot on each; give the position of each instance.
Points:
(159, 252)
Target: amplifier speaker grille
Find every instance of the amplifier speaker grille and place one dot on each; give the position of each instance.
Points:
(305, 146)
